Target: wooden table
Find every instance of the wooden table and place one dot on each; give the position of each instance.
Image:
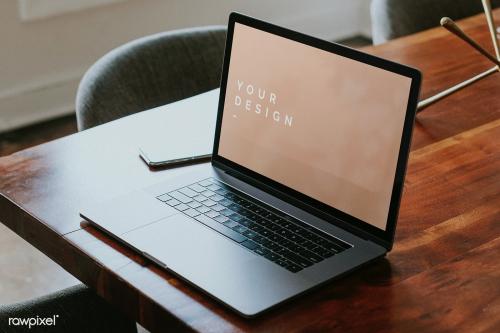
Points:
(442, 275)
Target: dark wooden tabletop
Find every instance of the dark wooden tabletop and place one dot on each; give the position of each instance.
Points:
(442, 275)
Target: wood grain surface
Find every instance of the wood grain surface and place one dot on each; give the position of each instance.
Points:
(443, 274)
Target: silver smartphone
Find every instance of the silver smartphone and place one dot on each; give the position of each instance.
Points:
(156, 156)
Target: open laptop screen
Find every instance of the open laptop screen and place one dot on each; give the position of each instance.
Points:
(325, 125)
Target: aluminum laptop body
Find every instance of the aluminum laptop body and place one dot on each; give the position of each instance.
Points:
(311, 146)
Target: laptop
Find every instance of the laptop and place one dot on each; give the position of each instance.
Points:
(311, 145)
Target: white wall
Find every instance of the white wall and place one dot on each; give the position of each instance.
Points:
(42, 56)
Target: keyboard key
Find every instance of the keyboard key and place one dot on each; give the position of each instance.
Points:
(240, 201)
(249, 233)
(267, 214)
(286, 243)
(181, 207)
(245, 222)
(220, 228)
(281, 250)
(235, 207)
(197, 188)
(276, 238)
(275, 247)
(245, 203)
(226, 212)
(236, 217)
(282, 263)
(309, 245)
(240, 229)
(284, 233)
(243, 212)
(265, 232)
(261, 251)
(274, 227)
(217, 198)
(212, 214)
(218, 208)
(225, 202)
(276, 218)
(298, 230)
(330, 246)
(208, 193)
(272, 256)
(268, 224)
(249, 244)
(230, 224)
(164, 197)
(173, 202)
(297, 239)
(258, 210)
(203, 209)
(231, 216)
(322, 252)
(258, 239)
(221, 219)
(302, 262)
(310, 256)
(213, 187)
(311, 236)
(251, 207)
(285, 225)
(292, 267)
(257, 228)
(266, 242)
(221, 191)
(261, 222)
(296, 248)
(205, 182)
(194, 204)
(189, 192)
(191, 212)
(200, 198)
(209, 203)
(181, 197)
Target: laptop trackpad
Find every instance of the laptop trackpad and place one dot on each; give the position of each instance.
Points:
(177, 241)
(212, 261)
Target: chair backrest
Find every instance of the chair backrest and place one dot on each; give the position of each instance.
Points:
(149, 72)
(78, 309)
(396, 18)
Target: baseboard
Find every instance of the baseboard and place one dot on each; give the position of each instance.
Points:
(38, 101)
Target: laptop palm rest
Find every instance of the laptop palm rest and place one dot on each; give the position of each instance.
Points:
(216, 264)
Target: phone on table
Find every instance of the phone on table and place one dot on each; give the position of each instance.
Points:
(160, 156)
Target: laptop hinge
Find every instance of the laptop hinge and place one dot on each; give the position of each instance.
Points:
(293, 201)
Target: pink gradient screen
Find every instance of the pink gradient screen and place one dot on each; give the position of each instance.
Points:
(322, 124)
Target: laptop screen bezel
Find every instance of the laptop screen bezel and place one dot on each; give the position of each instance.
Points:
(311, 205)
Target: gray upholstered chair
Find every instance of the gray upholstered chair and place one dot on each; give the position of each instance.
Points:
(150, 72)
(78, 310)
(396, 18)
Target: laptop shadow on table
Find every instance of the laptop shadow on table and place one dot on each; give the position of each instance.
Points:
(368, 282)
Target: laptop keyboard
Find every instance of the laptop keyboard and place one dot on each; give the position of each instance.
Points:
(278, 237)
